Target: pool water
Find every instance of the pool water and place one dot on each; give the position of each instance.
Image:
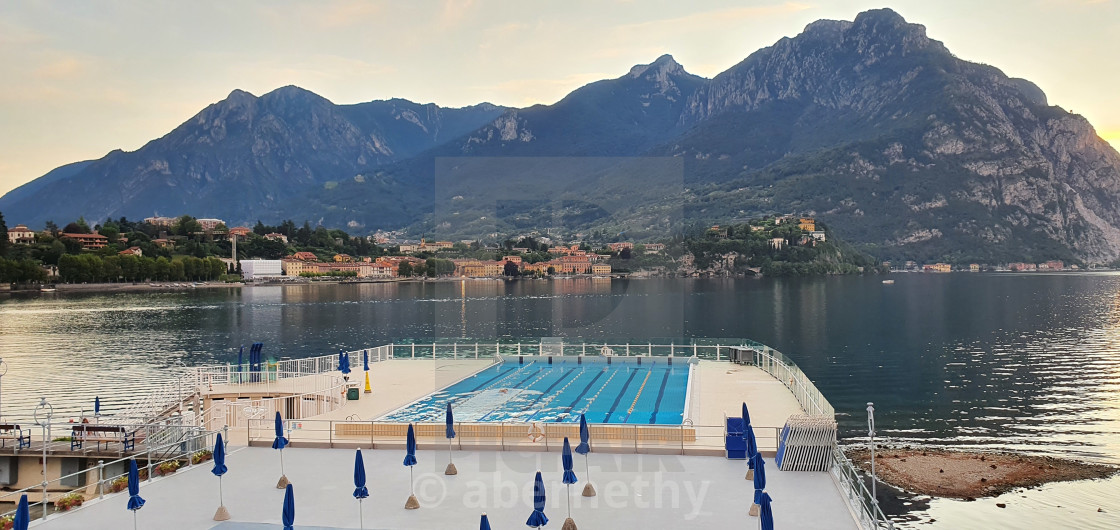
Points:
(537, 390)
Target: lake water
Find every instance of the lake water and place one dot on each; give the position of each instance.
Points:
(1003, 361)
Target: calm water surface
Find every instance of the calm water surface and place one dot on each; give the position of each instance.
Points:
(1007, 361)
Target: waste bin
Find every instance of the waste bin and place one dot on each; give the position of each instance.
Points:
(352, 393)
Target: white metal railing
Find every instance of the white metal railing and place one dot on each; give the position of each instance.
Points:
(463, 349)
(507, 435)
(180, 452)
(780, 367)
(852, 483)
(239, 409)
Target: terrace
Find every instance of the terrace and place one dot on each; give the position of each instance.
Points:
(312, 397)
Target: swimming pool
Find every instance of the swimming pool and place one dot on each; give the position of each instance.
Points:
(552, 389)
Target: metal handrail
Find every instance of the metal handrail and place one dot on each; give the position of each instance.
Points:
(186, 450)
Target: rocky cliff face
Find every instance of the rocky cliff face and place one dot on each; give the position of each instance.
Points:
(879, 129)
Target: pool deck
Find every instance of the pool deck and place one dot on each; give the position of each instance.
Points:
(634, 491)
(718, 390)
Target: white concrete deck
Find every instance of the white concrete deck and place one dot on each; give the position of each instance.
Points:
(634, 491)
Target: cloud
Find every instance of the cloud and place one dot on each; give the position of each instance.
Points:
(538, 90)
(65, 68)
(454, 12)
(344, 14)
(706, 20)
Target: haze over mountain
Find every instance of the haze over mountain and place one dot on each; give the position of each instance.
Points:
(869, 125)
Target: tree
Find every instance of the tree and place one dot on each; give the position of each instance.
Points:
(51, 228)
(3, 230)
(511, 269)
(404, 270)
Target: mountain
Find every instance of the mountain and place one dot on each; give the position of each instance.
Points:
(869, 125)
(880, 131)
(240, 157)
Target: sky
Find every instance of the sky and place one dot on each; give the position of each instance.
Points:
(81, 78)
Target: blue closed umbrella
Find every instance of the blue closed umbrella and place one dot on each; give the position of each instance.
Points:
(365, 360)
(449, 432)
(410, 447)
(360, 490)
(218, 470)
(746, 415)
(752, 446)
(569, 475)
(566, 459)
(583, 448)
(584, 436)
(97, 406)
(340, 357)
(23, 514)
(410, 460)
(484, 524)
(289, 514)
(759, 477)
(219, 457)
(766, 513)
(134, 500)
(279, 443)
(537, 519)
(346, 364)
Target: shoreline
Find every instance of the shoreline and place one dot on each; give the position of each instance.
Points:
(970, 475)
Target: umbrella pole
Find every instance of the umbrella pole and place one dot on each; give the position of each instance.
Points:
(361, 520)
(411, 482)
(282, 463)
(221, 498)
(133, 519)
(569, 501)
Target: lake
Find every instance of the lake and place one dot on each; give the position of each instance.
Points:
(1001, 361)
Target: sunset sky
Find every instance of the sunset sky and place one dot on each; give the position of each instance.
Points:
(78, 79)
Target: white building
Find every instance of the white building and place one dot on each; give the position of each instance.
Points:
(253, 269)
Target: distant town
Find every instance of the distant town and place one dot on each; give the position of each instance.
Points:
(202, 249)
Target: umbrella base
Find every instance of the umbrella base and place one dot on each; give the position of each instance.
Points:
(750, 474)
(222, 514)
(451, 469)
(569, 524)
(282, 483)
(412, 503)
(589, 490)
(753, 511)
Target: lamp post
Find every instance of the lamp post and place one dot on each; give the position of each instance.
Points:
(871, 442)
(49, 411)
(3, 370)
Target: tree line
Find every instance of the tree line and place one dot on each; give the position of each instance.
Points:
(90, 268)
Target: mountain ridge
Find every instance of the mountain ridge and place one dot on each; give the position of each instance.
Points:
(870, 125)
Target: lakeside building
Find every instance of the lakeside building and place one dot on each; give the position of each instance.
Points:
(937, 267)
(807, 224)
(21, 235)
(163, 243)
(425, 246)
(131, 251)
(89, 241)
(277, 237)
(240, 231)
(253, 269)
(777, 243)
(166, 222)
(655, 248)
(618, 247)
(209, 224)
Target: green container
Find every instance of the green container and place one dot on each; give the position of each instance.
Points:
(352, 394)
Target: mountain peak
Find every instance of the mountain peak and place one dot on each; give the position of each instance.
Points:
(663, 65)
